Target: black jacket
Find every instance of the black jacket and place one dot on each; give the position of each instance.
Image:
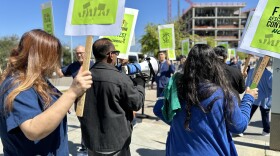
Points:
(108, 111)
(236, 79)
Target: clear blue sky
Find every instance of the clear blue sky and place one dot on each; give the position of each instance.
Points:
(19, 16)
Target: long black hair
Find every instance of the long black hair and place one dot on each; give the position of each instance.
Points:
(203, 75)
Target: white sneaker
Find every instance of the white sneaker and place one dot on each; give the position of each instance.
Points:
(265, 134)
(240, 134)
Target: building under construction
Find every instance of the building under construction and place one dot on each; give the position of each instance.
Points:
(222, 21)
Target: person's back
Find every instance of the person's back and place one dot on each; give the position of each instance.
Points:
(208, 110)
(109, 104)
(233, 74)
(208, 131)
(235, 77)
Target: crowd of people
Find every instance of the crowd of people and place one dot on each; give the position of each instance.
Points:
(200, 100)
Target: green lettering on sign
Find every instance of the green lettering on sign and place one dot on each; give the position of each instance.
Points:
(121, 41)
(94, 12)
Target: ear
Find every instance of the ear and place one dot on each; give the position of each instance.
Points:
(111, 56)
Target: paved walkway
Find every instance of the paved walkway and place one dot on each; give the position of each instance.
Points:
(149, 136)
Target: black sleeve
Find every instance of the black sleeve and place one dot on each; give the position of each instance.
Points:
(134, 94)
(241, 83)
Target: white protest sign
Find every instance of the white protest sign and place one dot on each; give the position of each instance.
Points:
(263, 33)
(94, 29)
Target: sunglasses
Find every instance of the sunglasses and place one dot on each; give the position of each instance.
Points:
(116, 52)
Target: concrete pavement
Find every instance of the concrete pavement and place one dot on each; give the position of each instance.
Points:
(149, 136)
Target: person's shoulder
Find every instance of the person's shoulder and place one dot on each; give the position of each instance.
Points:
(232, 69)
(267, 72)
(71, 65)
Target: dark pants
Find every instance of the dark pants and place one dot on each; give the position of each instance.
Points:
(123, 152)
(265, 117)
(159, 91)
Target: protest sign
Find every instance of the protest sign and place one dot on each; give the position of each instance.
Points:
(83, 24)
(171, 54)
(262, 35)
(47, 15)
(248, 51)
(185, 47)
(123, 41)
(94, 12)
(166, 37)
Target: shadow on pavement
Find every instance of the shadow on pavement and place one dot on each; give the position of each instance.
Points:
(254, 134)
(251, 145)
(150, 152)
(256, 124)
(141, 116)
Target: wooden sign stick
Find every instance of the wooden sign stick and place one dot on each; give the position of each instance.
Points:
(246, 64)
(259, 72)
(86, 63)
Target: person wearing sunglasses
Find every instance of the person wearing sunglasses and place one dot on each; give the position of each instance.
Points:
(109, 104)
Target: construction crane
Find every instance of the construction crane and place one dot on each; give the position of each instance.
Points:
(190, 2)
(169, 7)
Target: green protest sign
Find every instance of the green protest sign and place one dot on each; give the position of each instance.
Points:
(171, 54)
(122, 42)
(224, 44)
(166, 37)
(185, 47)
(94, 12)
(267, 33)
(232, 52)
(47, 17)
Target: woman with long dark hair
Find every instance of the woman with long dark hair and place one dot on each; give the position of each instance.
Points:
(32, 111)
(208, 110)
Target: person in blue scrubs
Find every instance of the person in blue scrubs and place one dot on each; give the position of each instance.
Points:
(32, 111)
(208, 110)
(72, 70)
(264, 99)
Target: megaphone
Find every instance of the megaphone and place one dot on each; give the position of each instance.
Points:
(149, 67)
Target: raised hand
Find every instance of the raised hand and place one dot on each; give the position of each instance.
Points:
(81, 83)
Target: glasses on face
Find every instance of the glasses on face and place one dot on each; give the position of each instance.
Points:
(116, 52)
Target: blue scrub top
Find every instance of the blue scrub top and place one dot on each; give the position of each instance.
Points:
(73, 68)
(264, 86)
(27, 105)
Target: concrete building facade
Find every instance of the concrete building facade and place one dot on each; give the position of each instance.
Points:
(223, 21)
